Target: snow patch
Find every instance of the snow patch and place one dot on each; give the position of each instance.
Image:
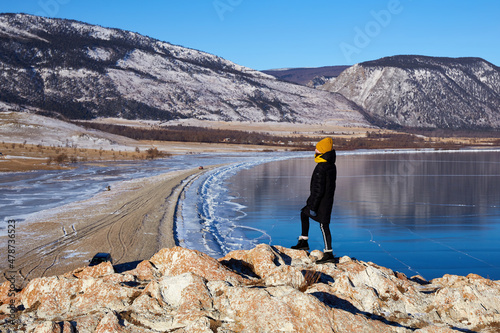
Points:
(84, 137)
(94, 30)
(20, 127)
(99, 53)
(7, 29)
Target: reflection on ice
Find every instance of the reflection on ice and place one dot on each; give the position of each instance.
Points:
(441, 216)
(209, 221)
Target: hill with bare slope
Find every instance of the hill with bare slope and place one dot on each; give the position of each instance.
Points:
(425, 92)
(76, 70)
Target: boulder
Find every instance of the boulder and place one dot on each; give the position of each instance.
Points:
(268, 263)
(104, 268)
(265, 289)
(178, 260)
(145, 270)
(53, 327)
(50, 297)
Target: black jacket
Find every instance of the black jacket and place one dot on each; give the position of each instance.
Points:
(322, 189)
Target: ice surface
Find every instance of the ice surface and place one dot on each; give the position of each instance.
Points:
(209, 219)
(25, 195)
(375, 217)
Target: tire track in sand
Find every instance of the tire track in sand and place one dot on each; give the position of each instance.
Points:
(127, 227)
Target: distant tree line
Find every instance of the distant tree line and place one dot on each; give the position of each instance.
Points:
(373, 140)
(201, 134)
(456, 133)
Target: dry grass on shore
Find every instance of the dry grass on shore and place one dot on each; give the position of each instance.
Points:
(26, 157)
(51, 144)
(19, 157)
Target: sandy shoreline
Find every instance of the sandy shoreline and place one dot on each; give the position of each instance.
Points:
(132, 221)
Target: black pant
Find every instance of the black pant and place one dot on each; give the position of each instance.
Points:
(325, 229)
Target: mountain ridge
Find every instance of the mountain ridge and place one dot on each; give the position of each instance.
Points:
(85, 71)
(307, 76)
(74, 70)
(424, 92)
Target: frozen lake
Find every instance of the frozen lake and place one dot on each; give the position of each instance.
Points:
(26, 193)
(427, 213)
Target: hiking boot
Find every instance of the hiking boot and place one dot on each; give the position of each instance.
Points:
(301, 245)
(327, 257)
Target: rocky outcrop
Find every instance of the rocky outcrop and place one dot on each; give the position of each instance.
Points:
(266, 289)
(424, 92)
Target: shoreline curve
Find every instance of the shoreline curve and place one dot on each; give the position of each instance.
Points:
(132, 221)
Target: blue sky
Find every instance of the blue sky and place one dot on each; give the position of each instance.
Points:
(264, 34)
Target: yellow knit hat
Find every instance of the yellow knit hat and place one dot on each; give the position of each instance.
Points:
(325, 145)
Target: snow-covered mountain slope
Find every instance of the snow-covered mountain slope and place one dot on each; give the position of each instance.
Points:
(418, 91)
(31, 128)
(77, 70)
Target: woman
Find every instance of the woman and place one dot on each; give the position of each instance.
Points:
(320, 202)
